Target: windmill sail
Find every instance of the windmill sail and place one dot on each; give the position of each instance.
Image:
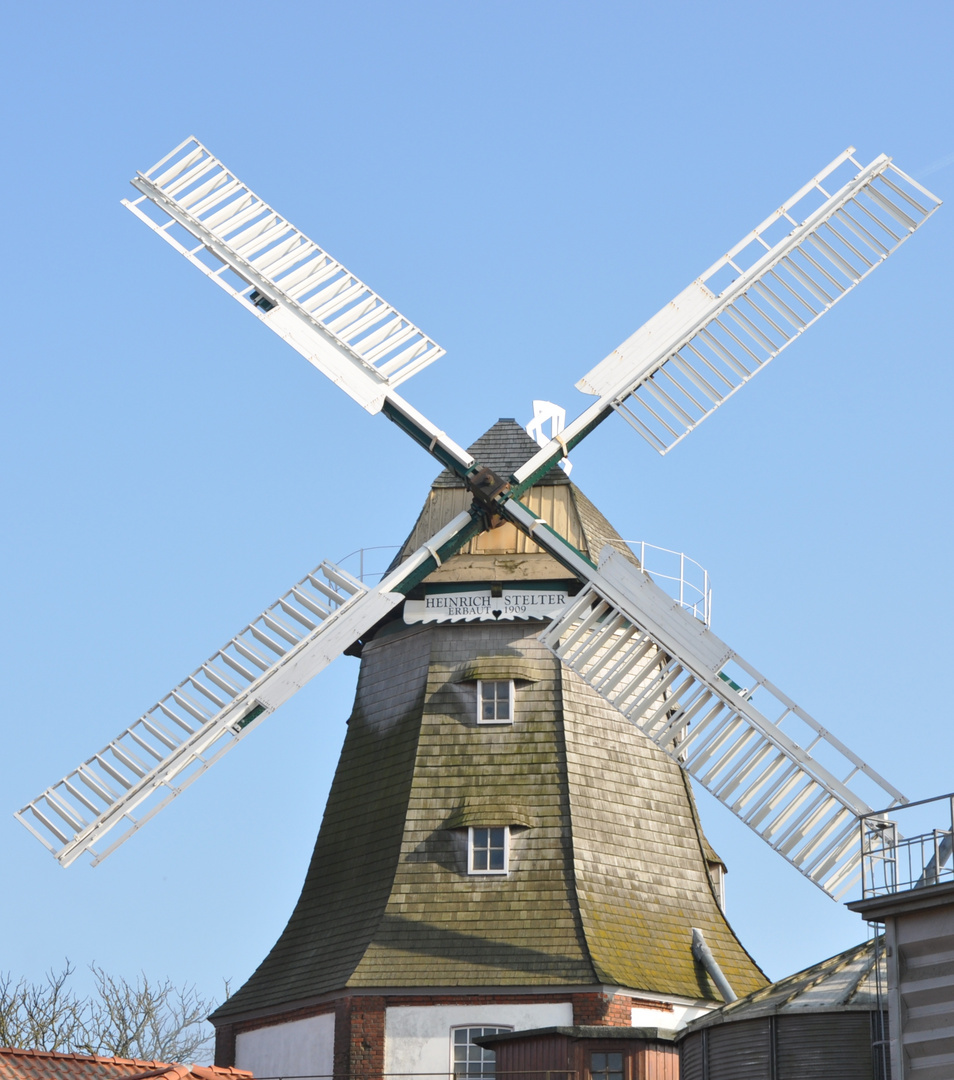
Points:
(298, 290)
(216, 706)
(714, 336)
(722, 720)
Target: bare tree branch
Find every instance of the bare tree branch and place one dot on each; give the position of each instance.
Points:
(142, 1019)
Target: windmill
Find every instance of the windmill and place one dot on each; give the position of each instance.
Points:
(742, 738)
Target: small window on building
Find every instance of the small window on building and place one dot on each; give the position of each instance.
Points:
(469, 1059)
(488, 849)
(606, 1066)
(495, 701)
(717, 874)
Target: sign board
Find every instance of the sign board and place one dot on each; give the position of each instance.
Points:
(479, 605)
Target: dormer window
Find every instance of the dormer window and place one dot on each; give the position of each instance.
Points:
(495, 700)
(717, 876)
(488, 849)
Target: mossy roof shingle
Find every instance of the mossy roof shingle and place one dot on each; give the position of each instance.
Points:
(608, 880)
(606, 884)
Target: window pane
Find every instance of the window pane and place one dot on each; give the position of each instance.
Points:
(471, 1060)
(606, 1066)
(494, 700)
(488, 850)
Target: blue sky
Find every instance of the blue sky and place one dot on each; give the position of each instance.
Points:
(528, 182)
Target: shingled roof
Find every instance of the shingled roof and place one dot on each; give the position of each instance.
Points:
(843, 983)
(504, 448)
(609, 878)
(17, 1064)
(609, 861)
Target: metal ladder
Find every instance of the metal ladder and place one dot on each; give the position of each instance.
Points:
(688, 692)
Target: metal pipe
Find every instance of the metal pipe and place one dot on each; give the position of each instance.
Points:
(702, 953)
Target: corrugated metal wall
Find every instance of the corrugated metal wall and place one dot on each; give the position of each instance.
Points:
(692, 1056)
(741, 1051)
(818, 1046)
(826, 1046)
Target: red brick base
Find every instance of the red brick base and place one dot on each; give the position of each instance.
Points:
(359, 1021)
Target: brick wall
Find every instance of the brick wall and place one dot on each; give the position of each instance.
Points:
(359, 1021)
(606, 1009)
(225, 1045)
(359, 1037)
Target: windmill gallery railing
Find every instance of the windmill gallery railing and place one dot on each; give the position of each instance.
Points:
(892, 862)
(678, 575)
(682, 578)
(369, 564)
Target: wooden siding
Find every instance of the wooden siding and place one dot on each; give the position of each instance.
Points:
(657, 1061)
(544, 1057)
(556, 1056)
(554, 504)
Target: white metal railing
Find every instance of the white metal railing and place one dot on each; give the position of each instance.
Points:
(681, 577)
(359, 564)
(893, 863)
(740, 736)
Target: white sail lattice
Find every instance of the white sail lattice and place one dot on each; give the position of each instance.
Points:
(779, 279)
(298, 290)
(676, 681)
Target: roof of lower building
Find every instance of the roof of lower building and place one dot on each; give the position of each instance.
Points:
(578, 1031)
(17, 1064)
(845, 982)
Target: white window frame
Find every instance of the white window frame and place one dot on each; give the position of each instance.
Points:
(472, 1027)
(717, 874)
(480, 701)
(470, 850)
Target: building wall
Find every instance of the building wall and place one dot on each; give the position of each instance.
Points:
(834, 1045)
(665, 1017)
(921, 984)
(417, 1038)
(297, 1048)
(554, 1055)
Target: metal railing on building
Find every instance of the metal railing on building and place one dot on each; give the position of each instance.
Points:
(893, 862)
